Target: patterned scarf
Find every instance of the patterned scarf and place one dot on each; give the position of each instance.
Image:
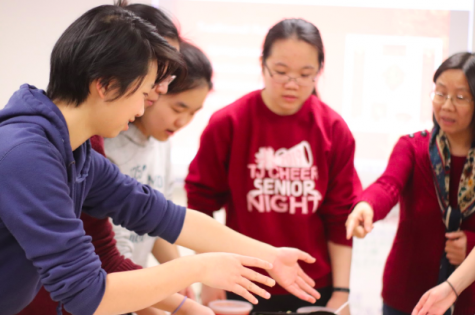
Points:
(439, 154)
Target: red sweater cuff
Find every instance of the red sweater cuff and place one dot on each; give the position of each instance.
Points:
(127, 265)
(337, 234)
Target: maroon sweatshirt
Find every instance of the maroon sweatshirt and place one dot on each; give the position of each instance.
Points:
(284, 180)
(412, 266)
(103, 240)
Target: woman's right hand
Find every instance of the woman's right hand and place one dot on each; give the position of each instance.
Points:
(209, 294)
(228, 272)
(360, 221)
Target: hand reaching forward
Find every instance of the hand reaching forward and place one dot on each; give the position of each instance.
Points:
(228, 272)
(435, 301)
(360, 221)
(291, 277)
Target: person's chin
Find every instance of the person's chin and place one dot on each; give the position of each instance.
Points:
(161, 136)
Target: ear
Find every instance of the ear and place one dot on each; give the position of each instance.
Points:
(261, 63)
(100, 89)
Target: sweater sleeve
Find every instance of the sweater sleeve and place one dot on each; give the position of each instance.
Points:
(38, 211)
(384, 194)
(130, 204)
(207, 181)
(102, 233)
(343, 187)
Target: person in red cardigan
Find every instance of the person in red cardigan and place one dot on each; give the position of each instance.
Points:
(432, 176)
(280, 162)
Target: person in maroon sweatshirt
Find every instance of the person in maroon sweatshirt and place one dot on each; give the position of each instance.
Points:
(280, 162)
(432, 176)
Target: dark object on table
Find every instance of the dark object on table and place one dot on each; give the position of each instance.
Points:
(284, 313)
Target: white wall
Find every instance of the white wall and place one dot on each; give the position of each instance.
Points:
(28, 31)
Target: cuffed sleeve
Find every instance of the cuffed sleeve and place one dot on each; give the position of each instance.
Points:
(384, 194)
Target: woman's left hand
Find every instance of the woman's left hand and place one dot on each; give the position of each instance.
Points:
(337, 300)
(456, 247)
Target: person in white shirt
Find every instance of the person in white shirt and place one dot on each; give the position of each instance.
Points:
(144, 153)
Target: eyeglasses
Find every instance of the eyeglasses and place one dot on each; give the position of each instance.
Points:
(303, 80)
(457, 100)
(166, 81)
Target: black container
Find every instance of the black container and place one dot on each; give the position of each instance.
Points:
(284, 313)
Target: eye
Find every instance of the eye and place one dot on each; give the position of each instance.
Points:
(280, 72)
(462, 97)
(176, 110)
(439, 94)
(305, 75)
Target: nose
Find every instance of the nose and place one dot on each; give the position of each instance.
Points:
(291, 84)
(153, 95)
(142, 111)
(182, 121)
(162, 88)
(448, 103)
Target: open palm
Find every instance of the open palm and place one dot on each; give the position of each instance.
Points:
(287, 272)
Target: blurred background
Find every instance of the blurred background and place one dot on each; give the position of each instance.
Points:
(380, 57)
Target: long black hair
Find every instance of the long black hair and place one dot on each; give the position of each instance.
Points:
(198, 67)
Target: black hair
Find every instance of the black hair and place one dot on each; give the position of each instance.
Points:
(198, 67)
(464, 61)
(112, 45)
(154, 16)
(299, 29)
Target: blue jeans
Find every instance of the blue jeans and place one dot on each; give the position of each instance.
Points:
(388, 310)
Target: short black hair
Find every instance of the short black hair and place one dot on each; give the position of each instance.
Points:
(199, 70)
(112, 45)
(156, 17)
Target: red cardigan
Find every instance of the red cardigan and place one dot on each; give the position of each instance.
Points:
(103, 240)
(412, 266)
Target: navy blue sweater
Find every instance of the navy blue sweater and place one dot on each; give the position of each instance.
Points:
(44, 185)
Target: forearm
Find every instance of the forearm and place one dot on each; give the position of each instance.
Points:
(164, 251)
(172, 302)
(464, 275)
(204, 234)
(136, 290)
(340, 257)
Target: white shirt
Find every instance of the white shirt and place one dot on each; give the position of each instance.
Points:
(148, 161)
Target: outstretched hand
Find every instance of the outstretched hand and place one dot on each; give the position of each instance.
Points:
(290, 276)
(435, 301)
(228, 272)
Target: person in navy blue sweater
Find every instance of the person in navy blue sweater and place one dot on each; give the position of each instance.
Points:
(102, 68)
